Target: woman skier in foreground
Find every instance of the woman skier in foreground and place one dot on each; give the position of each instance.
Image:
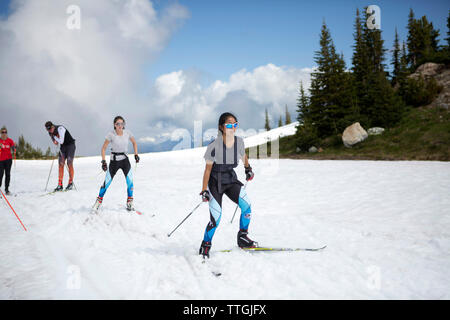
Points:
(119, 139)
(219, 178)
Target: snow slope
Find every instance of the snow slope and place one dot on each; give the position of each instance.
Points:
(271, 135)
(386, 224)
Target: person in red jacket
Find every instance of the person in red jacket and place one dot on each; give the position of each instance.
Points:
(6, 146)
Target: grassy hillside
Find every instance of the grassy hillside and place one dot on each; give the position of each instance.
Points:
(422, 134)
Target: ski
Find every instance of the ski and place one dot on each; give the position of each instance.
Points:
(137, 212)
(268, 249)
(9, 195)
(53, 192)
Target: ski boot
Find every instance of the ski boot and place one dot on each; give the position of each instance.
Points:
(204, 249)
(243, 241)
(97, 204)
(69, 186)
(58, 188)
(7, 192)
(130, 206)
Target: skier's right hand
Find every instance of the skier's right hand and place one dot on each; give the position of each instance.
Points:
(249, 173)
(104, 165)
(205, 195)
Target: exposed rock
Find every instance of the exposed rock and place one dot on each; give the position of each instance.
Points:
(441, 74)
(375, 131)
(429, 69)
(354, 134)
(312, 149)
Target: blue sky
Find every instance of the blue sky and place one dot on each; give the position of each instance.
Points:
(222, 37)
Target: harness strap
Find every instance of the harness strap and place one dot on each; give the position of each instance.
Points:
(114, 154)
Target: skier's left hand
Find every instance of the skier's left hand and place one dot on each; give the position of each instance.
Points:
(136, 157)
(249, 173)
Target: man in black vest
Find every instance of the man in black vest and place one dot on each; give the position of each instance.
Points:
(60, 135)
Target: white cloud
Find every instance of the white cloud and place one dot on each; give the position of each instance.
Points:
(180, 97)
(170, 85)
(81, 78)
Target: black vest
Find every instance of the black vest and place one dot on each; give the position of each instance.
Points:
(68, 139)
(224, 172)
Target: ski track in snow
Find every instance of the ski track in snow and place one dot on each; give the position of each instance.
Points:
(386, 226)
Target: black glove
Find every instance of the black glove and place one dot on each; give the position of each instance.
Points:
(104, 165)
(205, 195)
(136, 157)
(249, 173)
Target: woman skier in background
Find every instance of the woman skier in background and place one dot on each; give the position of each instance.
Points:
(6, 146)
(118, 138)
(219, 178)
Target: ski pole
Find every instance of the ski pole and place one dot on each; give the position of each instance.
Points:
(237, 206)
(48, 179)
(15, 169)
(185, 219)
(4, 197)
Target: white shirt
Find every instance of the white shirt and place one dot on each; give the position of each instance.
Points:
(61, 133)
(118, 143)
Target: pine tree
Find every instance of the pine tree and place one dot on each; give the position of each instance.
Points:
(331, 98)
(448, 31)
(412, 39)
(403, 67)
(267, 124)
(360, 65)
(288, 116)
(280, 122)
(26, 151)
(377, 102)
(423, 40)
(306, 133)
(395, 60)
(375, 51)
(302, 106)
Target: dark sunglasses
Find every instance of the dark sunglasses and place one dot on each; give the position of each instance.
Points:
(4, 132)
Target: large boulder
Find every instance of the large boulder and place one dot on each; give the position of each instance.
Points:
(354, 134)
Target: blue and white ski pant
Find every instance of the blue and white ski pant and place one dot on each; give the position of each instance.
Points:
(114, 166)
(238, 195)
